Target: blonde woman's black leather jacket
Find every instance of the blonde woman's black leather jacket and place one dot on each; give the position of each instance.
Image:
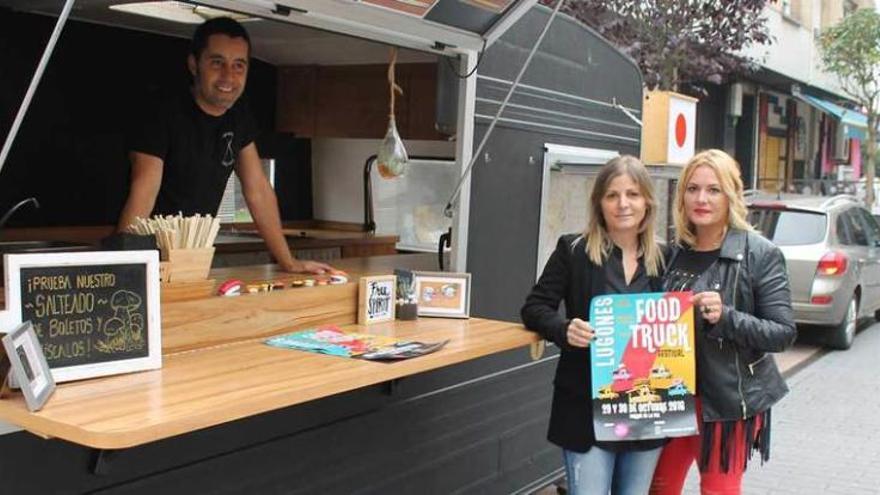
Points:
(736, 373)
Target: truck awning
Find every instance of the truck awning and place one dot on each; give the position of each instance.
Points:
(430, 25)
(855, 122)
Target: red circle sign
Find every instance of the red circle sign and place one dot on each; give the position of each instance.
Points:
(680, 130)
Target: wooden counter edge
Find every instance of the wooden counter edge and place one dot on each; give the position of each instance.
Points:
(14, 410)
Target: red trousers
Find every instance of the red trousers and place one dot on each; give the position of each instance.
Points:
(680, 454)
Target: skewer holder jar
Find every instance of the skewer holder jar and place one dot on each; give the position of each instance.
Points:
(180, 265)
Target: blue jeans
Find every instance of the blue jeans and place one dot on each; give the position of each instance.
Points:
(597, 471)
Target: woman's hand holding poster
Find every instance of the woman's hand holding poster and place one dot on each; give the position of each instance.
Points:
(643, 366)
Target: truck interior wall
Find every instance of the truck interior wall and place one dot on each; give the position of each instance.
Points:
(338, 167)
(466, 428)
(70, 152)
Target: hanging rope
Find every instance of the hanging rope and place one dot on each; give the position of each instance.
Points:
(392, 81)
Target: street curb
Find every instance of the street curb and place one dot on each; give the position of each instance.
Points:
(803, 363)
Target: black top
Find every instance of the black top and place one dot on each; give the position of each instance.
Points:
(687, 268)
(688, 272)
(615, 277)
(571, 277)
(198, 151)
(749, 273)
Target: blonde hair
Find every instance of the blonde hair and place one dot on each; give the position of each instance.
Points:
(727, 171)
(599, 244)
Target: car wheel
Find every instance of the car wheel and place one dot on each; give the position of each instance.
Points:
(845, 332)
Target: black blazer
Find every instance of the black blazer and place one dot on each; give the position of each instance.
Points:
(569, 275)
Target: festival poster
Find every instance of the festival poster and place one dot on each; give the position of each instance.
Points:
(643, 366)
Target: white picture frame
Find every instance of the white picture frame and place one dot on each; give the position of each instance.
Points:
(152, 326)
(28, 366)
(443, 294)
(376, 299)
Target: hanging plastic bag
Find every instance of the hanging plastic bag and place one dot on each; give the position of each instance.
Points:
(392, 158)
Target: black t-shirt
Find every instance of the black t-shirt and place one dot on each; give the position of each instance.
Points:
(687, 268)
(690, 271)
(199, 152)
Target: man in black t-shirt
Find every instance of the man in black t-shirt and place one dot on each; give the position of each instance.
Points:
(183, 156)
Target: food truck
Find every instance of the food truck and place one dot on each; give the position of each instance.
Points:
(226, 413)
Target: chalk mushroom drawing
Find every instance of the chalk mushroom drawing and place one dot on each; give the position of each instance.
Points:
(125, 330)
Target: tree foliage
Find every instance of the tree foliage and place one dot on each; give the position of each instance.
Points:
(678, 44)
(851, 50)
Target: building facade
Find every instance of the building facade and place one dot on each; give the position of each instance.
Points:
(789, 123)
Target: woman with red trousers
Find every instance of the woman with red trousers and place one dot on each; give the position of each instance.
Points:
(743, 302)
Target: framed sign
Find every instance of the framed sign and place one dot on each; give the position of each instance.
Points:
(28, 365)
(95, 313)
(376, 299)
(444, 294)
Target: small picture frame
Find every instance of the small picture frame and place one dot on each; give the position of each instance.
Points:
(444, 294)
(407, 302)
(28, 365)
(376, 299)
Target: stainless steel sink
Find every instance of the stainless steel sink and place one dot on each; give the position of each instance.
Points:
(236, 237)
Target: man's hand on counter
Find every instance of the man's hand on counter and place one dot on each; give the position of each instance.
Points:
(316, 267)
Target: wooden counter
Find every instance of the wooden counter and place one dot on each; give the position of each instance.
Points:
(217, 368)
(301, 236)
(210, 386)
(350, 244)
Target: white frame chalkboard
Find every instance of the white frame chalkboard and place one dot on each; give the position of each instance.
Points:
(14, 263)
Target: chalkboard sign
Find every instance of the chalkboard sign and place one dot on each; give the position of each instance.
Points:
(94, 313)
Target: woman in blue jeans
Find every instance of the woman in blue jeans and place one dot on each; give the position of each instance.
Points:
(616, 254)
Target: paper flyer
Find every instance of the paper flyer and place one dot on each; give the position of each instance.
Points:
(643, 366)
(331, 340)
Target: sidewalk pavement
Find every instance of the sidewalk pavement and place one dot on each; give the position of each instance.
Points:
(805, 459)
(826, 432)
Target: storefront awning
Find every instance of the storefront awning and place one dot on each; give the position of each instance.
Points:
(855, 122)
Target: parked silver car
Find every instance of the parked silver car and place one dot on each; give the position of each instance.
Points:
(832, 251)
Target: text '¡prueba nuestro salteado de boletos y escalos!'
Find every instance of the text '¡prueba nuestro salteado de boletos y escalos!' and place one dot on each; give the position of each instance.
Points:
(87, 314)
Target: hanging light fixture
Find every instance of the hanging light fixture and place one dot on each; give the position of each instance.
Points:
(392, 159)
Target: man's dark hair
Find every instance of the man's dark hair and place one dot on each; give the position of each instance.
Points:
(218, 25)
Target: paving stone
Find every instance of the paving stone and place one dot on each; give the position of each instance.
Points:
(826, 432)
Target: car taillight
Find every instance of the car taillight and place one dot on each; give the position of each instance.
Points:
(821, 299)
(833, 263)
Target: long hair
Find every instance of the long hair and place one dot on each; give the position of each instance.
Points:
(599, 244)
(727, 171)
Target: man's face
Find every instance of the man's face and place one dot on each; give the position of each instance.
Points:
(220, 73)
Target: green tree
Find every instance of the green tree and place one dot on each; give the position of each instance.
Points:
(851, 50)
(680, 45)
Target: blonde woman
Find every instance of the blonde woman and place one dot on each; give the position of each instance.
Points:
(616, 254)
(743, 297)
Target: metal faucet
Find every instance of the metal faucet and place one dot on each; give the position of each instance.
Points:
(9, 212)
